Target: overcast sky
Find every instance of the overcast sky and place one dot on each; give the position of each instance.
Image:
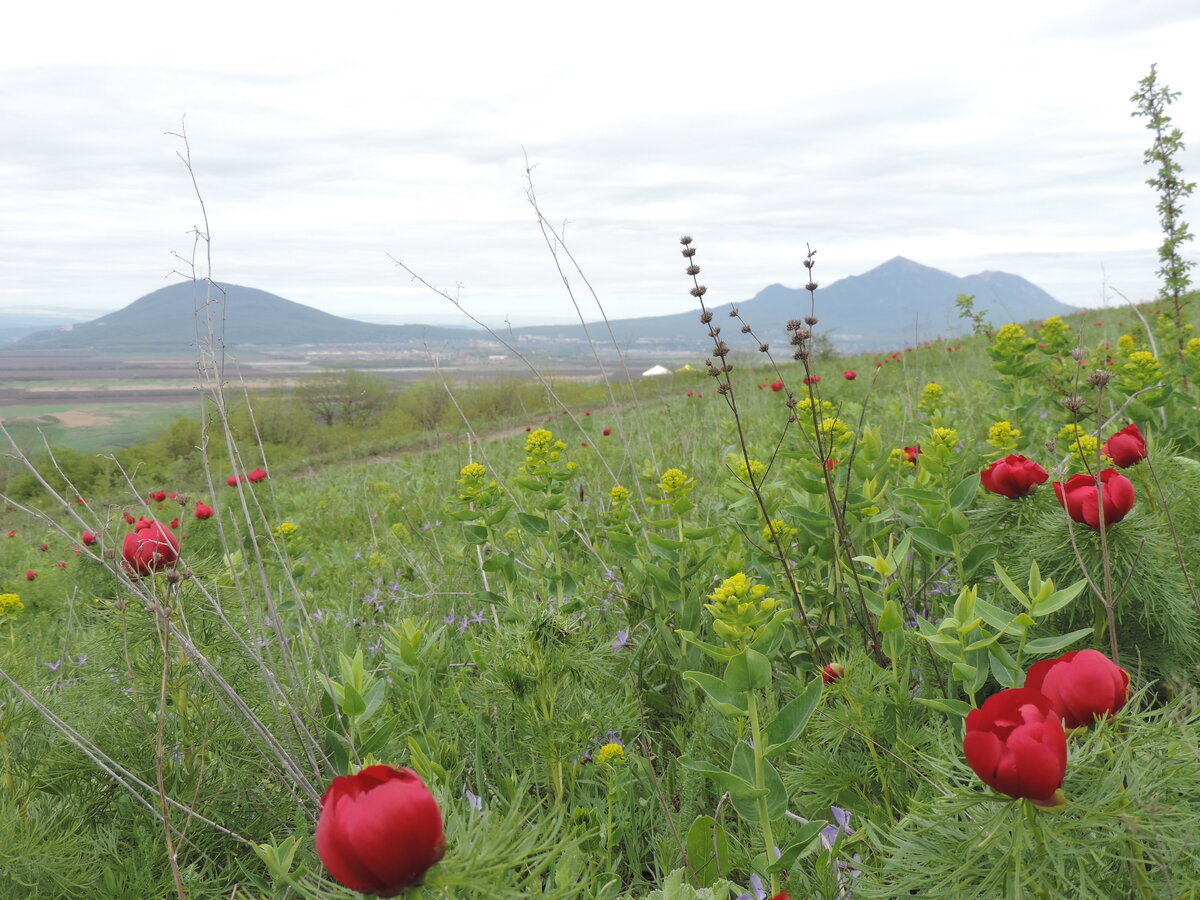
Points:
(963, 136)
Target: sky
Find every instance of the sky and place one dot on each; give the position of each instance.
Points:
(328, 144)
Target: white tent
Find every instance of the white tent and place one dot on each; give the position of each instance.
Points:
(656, 370)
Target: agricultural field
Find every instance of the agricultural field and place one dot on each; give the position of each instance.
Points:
(921, 623)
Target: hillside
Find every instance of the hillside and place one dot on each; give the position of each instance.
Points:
(166, 320)
(899, 302)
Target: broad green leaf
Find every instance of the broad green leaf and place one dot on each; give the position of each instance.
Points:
(748, 671)
(950, 707)
(1043, 646)
(1059, 599)
(537, 525)
(977, 556)
(932, 539)
(737, 787)
(743, 765)
(667, 543)
(789, 722)
(964, 492)
(964, 671)
(475, 534)
(728, 701)
(805, 835)
(707, 849)
(891, 620)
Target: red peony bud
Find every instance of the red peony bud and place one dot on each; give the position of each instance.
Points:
(777, 385)
(832, 672)
(1082, 686)
(1013, 477)
(1126, 447)
(849, 374)
(1016, 744)
(1080, 497)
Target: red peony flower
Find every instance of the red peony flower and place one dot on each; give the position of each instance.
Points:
(913, 452)
(158, 496)
(1126, 447)
(606, 432)
(380, 830)
(1016, 744)
(256, 475)
(1082, 686)
(1080, 497)
(849, 374)
(812, 379)
(235, 480)
(152, 546)
(12, 533)
(89, 539)
(30, 574)
(832, 672)
(43, 547)
(1013, 477)
(61, 564)
(129, 519)
(203, 510)
(174, 523)
(777, 385)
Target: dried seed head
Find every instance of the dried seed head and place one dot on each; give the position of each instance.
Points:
(727, 368)
(722, 349)
(793, 324)
(712, 370)
(705, 317)
(810, 320)
(733, 312)
(1077, 354)
(764, 347)
(689, 252)
(811, 286)
(1074, 403)
(1099, 378)
(800, 354)
(723, 387)
(792, 419)
(809, 263)
(714, 330)
(745, 329)
(796, 340)
(685, 240)
(698, 291)
(692, 270)
(791, 402)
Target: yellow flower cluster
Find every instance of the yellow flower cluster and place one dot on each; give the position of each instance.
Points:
(542, 451)
(1140, 371)
(743, 471)
(1055, 336)
(1078, 442)
(1004, 435)
(785, 532)
(619, 495)
(611, 753)
(739, 608)
(285, 529)
(1126, 343)
(674, 481)
(470, 481)
(472, 472)
(946, 438)
(10, 603)
(1012, 341)
(931, 397)
(834, 429)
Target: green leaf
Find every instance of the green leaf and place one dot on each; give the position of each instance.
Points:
(475, 534)
(1010, 585)
(737, 787)
(805, 835)
(748, 671)
(693, 533)
(964, 492)
(932, 539)
(949, 707)
(535, 525)
(707, 849)
(352, 702)
(666, 543)
(891, 620)
(1043, 646)
(1059, 599)
(728, 701)
(976, 557)
(964, 671)
(742, 765)
(789, 722)
(954, 522)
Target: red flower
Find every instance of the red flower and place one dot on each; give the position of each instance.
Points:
(583, 443)
(43, 547)
(529, 428)
(782, 895)
(1126, 447)
(128, 519)
(849, 374)
(152, 546)
(256, 475)
(89, 539)
(30, 575)
(203, 510)
(12, 533)
(913, 452)
(61, 564)
(1013, 477)
(1016, 744)
(173, 496)
(832, 672)
(1080, 497)
(234, 480)
(812, 379)
(379, 830)
(777, 385)
(1082, 686)
(158, 496)
(175, 523)
(606, 432)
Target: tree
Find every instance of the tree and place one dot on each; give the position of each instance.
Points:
(352, 398)
(1152, 101)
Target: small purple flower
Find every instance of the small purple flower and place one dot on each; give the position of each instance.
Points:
(622, 640)
(475, 800)
(53, 666)
(81, 660)
(758, 890)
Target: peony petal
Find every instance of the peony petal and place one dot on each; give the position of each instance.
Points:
(335, 847)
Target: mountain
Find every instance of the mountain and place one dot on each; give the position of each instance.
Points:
(166, 320)
(897, 303)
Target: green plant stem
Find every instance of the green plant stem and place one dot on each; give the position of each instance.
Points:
(760, 782)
